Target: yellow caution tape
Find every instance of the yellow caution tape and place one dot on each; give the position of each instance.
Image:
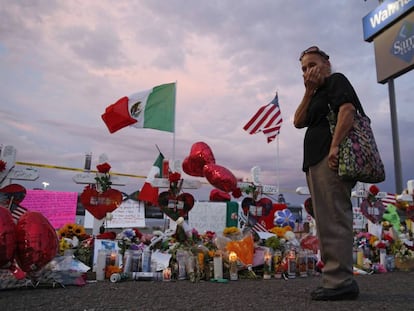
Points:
(74, 169)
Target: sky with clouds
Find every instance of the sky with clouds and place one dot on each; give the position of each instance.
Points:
(63, 62)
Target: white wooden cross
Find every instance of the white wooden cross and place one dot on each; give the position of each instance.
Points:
(8, 155)
(264, 189)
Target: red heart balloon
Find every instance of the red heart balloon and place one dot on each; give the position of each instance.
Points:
(175, 207)
(220, 177)
(12, 192)
(98, 204)
(200, 155)
(36, 240)
(374, 211)
(217, 195)
(7, 236)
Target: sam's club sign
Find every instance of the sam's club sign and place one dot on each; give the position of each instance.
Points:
(385, 14)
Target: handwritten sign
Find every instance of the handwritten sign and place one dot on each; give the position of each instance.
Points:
(129, 214)
(58, 207)
(358, 218)
(208, 216)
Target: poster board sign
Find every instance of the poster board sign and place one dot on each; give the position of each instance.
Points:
(359, 221)
(208, 216)
(130, 214)
(58, 207)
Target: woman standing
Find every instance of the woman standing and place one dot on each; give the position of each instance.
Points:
(331, 196)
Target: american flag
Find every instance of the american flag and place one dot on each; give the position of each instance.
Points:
(388, 198)
(258, 227)
(267, 119)
(17, 211)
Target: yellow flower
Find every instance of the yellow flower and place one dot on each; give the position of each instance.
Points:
(231, 230)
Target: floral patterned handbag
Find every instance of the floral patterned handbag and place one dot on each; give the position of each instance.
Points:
(359, 158)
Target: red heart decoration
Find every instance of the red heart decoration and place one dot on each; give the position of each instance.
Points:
(259, 211)
(8, 236)
(36, 240)
(175, 207)
(13, 192)
(217, 195)
(220, 177)
(373, 212)
(98, 204)
(200, 155)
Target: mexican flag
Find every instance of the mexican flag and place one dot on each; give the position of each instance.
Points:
(149, 193)
(153, 108)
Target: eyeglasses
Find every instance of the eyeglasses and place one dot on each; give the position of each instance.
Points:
(314, 49)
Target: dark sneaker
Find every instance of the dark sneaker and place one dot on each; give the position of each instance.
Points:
(348, 292)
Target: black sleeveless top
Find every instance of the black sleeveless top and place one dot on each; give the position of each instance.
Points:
(336, 90)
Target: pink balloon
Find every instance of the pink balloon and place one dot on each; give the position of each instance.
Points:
(220, 177)
(37, 242)
(7, 236)
(200, 155)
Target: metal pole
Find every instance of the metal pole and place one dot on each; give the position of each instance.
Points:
(395, 138)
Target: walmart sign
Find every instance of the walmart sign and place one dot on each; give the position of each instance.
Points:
(385, 14)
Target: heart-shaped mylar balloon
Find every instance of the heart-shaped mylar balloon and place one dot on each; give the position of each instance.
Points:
(7, 236)
(36, 240)
(98, 204)
(372, 211)
(220, 177)
(217, 195)
(175, 207)
(200, 155)
(13, 192)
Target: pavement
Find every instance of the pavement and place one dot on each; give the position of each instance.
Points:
(387, 291)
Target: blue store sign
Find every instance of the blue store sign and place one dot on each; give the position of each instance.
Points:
(383, 16)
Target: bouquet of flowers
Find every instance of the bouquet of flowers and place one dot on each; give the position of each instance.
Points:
(129, 239)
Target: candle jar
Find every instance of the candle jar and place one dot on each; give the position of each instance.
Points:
(277, 264)
(218, 266)
(291, 258)
(267, 266)
(189, 268)
(233, 270)
(383, 256)
(136, 261)
(181, 259)
(127, 261)
(146, 260)
(303, 264)
(166, 274)
(100, 265)
(360, 257)
(311, 262)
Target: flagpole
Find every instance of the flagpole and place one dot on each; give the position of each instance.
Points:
(175, 105)
(277, 161)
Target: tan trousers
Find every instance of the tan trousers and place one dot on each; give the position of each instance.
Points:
(332, 206)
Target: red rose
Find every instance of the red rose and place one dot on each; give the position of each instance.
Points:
(2, 165)
(373, 190)
(103, 168)
(237, 193)
(174, 177)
